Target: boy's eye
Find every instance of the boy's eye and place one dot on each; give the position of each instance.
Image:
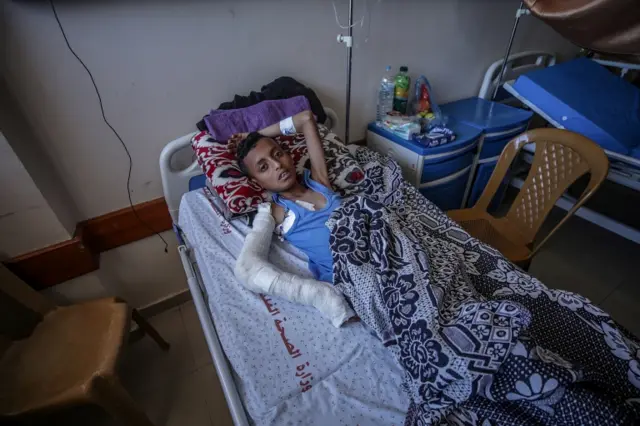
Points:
(278, 154)
(263, 167)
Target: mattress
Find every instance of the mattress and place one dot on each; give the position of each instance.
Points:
(584, 97)
(291, 366)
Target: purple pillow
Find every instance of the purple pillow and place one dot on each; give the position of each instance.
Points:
(223, 124)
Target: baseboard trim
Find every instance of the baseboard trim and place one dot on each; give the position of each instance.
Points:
(54, 264)
(80, 255)
(125, 226)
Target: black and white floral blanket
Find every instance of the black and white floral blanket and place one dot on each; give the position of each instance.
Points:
(481, 342)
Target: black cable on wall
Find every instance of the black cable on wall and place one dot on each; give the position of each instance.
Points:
(104, 117)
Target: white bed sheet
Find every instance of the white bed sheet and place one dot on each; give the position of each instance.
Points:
(354, 380)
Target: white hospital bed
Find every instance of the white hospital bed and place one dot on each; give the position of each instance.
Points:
(175, 183)
(355, 380)
(624, 170)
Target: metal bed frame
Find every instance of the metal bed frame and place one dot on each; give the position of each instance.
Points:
(175, 183)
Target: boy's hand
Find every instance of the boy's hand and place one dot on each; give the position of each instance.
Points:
(240, 136)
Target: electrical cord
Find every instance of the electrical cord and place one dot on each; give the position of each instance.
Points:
(104, 117)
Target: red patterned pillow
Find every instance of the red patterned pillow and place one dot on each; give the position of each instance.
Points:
(241, 194)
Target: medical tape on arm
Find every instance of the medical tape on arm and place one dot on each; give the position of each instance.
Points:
(287, 127)
(255, 272)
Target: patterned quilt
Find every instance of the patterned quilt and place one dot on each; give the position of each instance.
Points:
(480, 341)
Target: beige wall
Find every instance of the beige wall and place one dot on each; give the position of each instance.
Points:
(37, 211)
(26, 221)
(161, 65)
(17, 130)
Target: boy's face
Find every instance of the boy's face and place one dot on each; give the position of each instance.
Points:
(270, 166)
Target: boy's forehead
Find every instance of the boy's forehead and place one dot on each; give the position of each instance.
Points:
(261, 150)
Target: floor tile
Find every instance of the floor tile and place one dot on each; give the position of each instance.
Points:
(197, 342)
(555, 271)
(624, 306)
(181, 402)
(216, 404)
(594, 250)
(188, 402)
(145, 366)
(584, 258)
(179, 387)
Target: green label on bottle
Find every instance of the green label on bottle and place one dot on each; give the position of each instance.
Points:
(401, 93)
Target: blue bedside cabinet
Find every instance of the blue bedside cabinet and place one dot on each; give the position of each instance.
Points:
(440, 173)
(499, 123)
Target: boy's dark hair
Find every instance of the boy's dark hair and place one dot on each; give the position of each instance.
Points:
(244, 147)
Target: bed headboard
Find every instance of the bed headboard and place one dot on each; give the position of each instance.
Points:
(175, 183)
(517, 64)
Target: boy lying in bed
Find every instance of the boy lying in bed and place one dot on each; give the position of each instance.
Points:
(300, 209)
(456, 331)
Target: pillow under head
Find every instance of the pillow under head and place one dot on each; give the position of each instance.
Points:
(241, 194)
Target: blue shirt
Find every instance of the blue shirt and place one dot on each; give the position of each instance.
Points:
(309, 232)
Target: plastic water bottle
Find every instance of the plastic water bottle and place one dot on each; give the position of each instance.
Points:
(385, 95)
(402, 82)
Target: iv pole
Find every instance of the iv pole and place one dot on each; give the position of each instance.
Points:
(348, 41)
(521, 11)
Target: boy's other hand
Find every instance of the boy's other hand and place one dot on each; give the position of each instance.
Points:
(240, 136)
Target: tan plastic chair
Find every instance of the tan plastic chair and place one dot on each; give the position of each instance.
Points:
(52, 357)
(561, 157)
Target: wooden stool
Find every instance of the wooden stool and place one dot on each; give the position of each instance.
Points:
(61, 356)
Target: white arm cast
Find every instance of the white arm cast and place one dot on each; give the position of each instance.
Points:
(255, 272)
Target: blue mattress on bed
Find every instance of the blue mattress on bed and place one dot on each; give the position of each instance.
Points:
(586, 98)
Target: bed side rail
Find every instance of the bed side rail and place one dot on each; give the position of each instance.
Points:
(176, 182)
(223, 369)
(517, 64)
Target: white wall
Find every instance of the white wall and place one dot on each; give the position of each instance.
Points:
(162, 64)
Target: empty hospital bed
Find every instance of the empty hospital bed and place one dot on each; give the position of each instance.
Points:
(583, 96)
